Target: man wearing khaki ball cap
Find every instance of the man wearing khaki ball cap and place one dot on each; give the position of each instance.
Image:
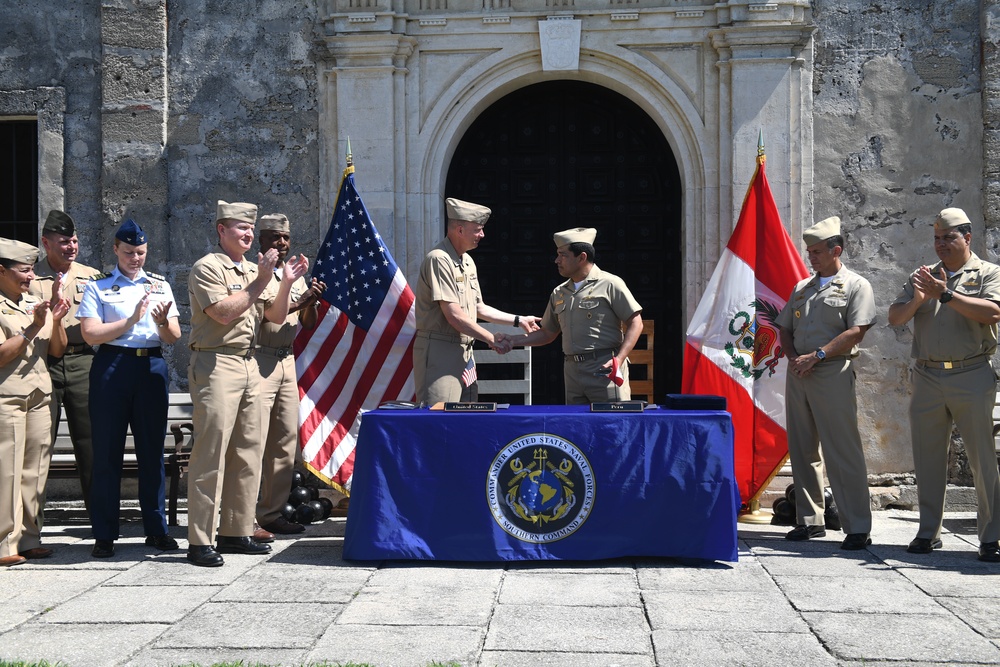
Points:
(821, 327)
(955, 308)
(229, 297)
(448, 302)
(599, 319)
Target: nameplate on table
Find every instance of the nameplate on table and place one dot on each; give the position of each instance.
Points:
(470, 407)
(624, 406)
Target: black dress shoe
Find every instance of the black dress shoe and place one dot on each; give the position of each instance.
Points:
(161, 542)
(855, 541)
(240, 545)
(989, 552)
(923, 545)
(204, 556)
(800, 533)
(103, 549)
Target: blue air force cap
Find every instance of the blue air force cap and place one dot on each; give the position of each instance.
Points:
(131, 233)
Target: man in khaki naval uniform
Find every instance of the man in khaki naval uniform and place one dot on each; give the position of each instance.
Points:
(598, 318)
(27, 336)
(448, 301)
(279, 390)
(955, 307)
(822, 325)
(229, 297)
(70, 374)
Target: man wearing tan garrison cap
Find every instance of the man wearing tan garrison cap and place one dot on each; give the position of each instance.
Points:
(279, 386)
(229, 297)
(599, 319)
(448, 302)
(71, 372)
(955, 308)
(822, 325)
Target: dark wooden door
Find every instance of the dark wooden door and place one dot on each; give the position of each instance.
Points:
(564, 154)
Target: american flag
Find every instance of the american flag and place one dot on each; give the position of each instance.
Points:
(360, 352)
(469, 374)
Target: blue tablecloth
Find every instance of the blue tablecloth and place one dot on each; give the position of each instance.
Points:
(543, 483)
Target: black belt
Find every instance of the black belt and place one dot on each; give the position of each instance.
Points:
(133, 351)
(949, 365)
(79, 349)
(279, 352)
(587, 356)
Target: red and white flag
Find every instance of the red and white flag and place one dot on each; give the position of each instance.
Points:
(360, 352)
(733, 348)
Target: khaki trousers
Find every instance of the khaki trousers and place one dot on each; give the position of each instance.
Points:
(280, 432)
(224, 474)
(583, 386)
(437, 371)
(822, 408)
(25, 452)
(965, 395)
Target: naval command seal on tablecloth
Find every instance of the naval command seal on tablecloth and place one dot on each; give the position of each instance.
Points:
(540, 488)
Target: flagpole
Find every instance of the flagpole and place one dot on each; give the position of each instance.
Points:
(753, 513)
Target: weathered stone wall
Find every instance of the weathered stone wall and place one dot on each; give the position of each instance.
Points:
(898, 136)
(58, 44)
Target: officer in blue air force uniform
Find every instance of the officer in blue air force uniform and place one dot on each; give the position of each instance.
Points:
(129, 313)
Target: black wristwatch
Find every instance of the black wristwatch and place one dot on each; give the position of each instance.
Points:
(947, 296)
(517, 320)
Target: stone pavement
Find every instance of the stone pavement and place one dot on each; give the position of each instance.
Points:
(784, 603)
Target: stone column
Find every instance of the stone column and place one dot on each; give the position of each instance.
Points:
(367, 68)
(133, 122)
(769, 72)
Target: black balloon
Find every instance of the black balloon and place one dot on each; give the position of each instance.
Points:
(313, 493)
(298, 479)
(790, 493)
(299, 495)
(305, 513)
(288, 511)
(327, 504)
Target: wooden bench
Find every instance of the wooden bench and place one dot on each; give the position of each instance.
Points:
(176, 454)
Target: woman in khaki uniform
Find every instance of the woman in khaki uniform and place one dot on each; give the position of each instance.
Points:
(28, 333)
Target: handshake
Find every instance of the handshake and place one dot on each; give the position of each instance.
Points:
(502, 343)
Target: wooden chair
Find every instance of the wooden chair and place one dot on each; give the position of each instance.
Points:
(640, 365)
(503, 376)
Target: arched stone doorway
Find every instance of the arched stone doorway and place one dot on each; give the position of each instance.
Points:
(563, 154)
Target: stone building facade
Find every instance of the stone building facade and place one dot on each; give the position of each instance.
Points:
(880, 112)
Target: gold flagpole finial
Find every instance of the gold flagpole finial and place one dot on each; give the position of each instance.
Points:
(350, 159)
(760, 147)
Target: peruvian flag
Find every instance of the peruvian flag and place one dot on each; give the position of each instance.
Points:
(733, 348)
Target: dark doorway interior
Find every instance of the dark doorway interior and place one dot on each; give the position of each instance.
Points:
(19, 180)
(564, 154)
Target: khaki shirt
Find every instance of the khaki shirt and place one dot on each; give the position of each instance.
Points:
(28, 372)
(816, 315)
(282, 335)
(940, 333)
(74, 281)
(213, 278)
(591, 317)
(444, 276)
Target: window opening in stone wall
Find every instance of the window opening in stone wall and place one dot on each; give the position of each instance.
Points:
(19, 180)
